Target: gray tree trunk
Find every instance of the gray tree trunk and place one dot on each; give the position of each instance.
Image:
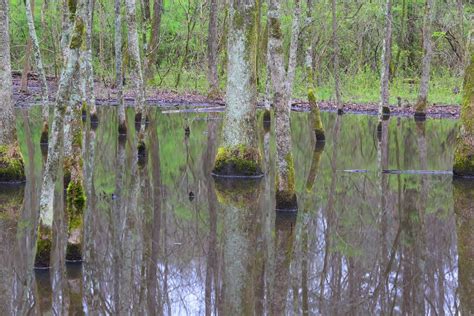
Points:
(119, 67)
(212, 50)
(26, 63)
(38, 59)
(422, 102)
(136, 65)
(87, 73)
(239, 137)
(282, 83)
(335, 44)
(386, 56)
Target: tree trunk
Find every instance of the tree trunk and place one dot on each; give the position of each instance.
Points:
(87, 74)
(335, 44)
(422, 103)
(317, 123)
(282, 83)
(10, 156)
(386, 56)
(212, 50)
(239, 154)
(136, 66)
(464, 153)
(152, 51)
(38, 59)
(118, 67)
(26, 63)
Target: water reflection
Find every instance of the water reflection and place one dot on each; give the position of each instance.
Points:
(366, 240)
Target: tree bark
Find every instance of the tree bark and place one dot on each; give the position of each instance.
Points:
(239, 154)
(422, 103)
(119, 67)
(87, 74)
(212, 50)
(335, 44)
(464, 152)
(386, 57)
(282, 83)
(38, 59)
(26, 63)
(136, 66)
(152, 51)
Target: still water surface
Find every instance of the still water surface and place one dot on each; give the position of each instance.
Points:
(373, 235)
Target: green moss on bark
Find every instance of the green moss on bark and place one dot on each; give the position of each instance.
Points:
(76, 197)
(78, 34)
(12, 168)
(43, 247)
(316, 117)
(463, 159)
(240, 160)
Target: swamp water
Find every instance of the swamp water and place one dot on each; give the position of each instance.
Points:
(373, 234)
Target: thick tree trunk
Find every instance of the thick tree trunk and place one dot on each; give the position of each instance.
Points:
(136, 65)
(335, 44)
(119, 67)
(212, 50)
(38, 59)
(282, 83)
(10, 156)
(422, 103)
(239, 154)
(464, 153)
(386, 56)
(152, 51)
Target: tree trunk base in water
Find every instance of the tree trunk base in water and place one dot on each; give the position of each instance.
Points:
(43, 248)
(239, 161)
(420, 116)
(286, 201)
(464, 158)
(385, 111)
(340, 111)
(12, 168)
(44, 134)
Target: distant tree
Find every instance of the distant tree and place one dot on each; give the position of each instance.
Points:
(118, 66)
(386, 57)
(212, 50)
(11, 160)
(238, 153)
(335, 45)
(464, 153)
(422, 103)
(152, 48)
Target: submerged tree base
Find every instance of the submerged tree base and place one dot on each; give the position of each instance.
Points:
(12, 168)
(464, 158)
(239, 161)
(420, 116)
(286, 201)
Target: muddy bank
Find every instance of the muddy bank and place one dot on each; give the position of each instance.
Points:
(198, 102)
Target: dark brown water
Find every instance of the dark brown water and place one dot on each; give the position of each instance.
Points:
(373, 234)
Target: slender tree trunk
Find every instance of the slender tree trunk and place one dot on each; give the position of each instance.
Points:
(422, 103)
(152, 51)
(26, 64)
(136, 66)
(87, 74)
(38, 59)
(239, 154)
(386, 56)
(282, 83)
(335, 44)
(464, 153)
(10, 156)
(212, 50)
(315, 112)
(119, 67)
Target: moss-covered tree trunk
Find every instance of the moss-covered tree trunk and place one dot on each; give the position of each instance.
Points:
(238, 154)
(422, 103)
(53, 167)
(136, 65)
(38, 59)
(386, 58)
(281, 81)
(11, 160)
(464, 152)
(463, 194)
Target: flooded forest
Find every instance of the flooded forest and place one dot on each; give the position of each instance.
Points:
(236, 157)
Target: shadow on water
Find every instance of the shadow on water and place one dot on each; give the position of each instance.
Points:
(372, 242)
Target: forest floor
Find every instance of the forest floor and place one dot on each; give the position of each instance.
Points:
(194, 100)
